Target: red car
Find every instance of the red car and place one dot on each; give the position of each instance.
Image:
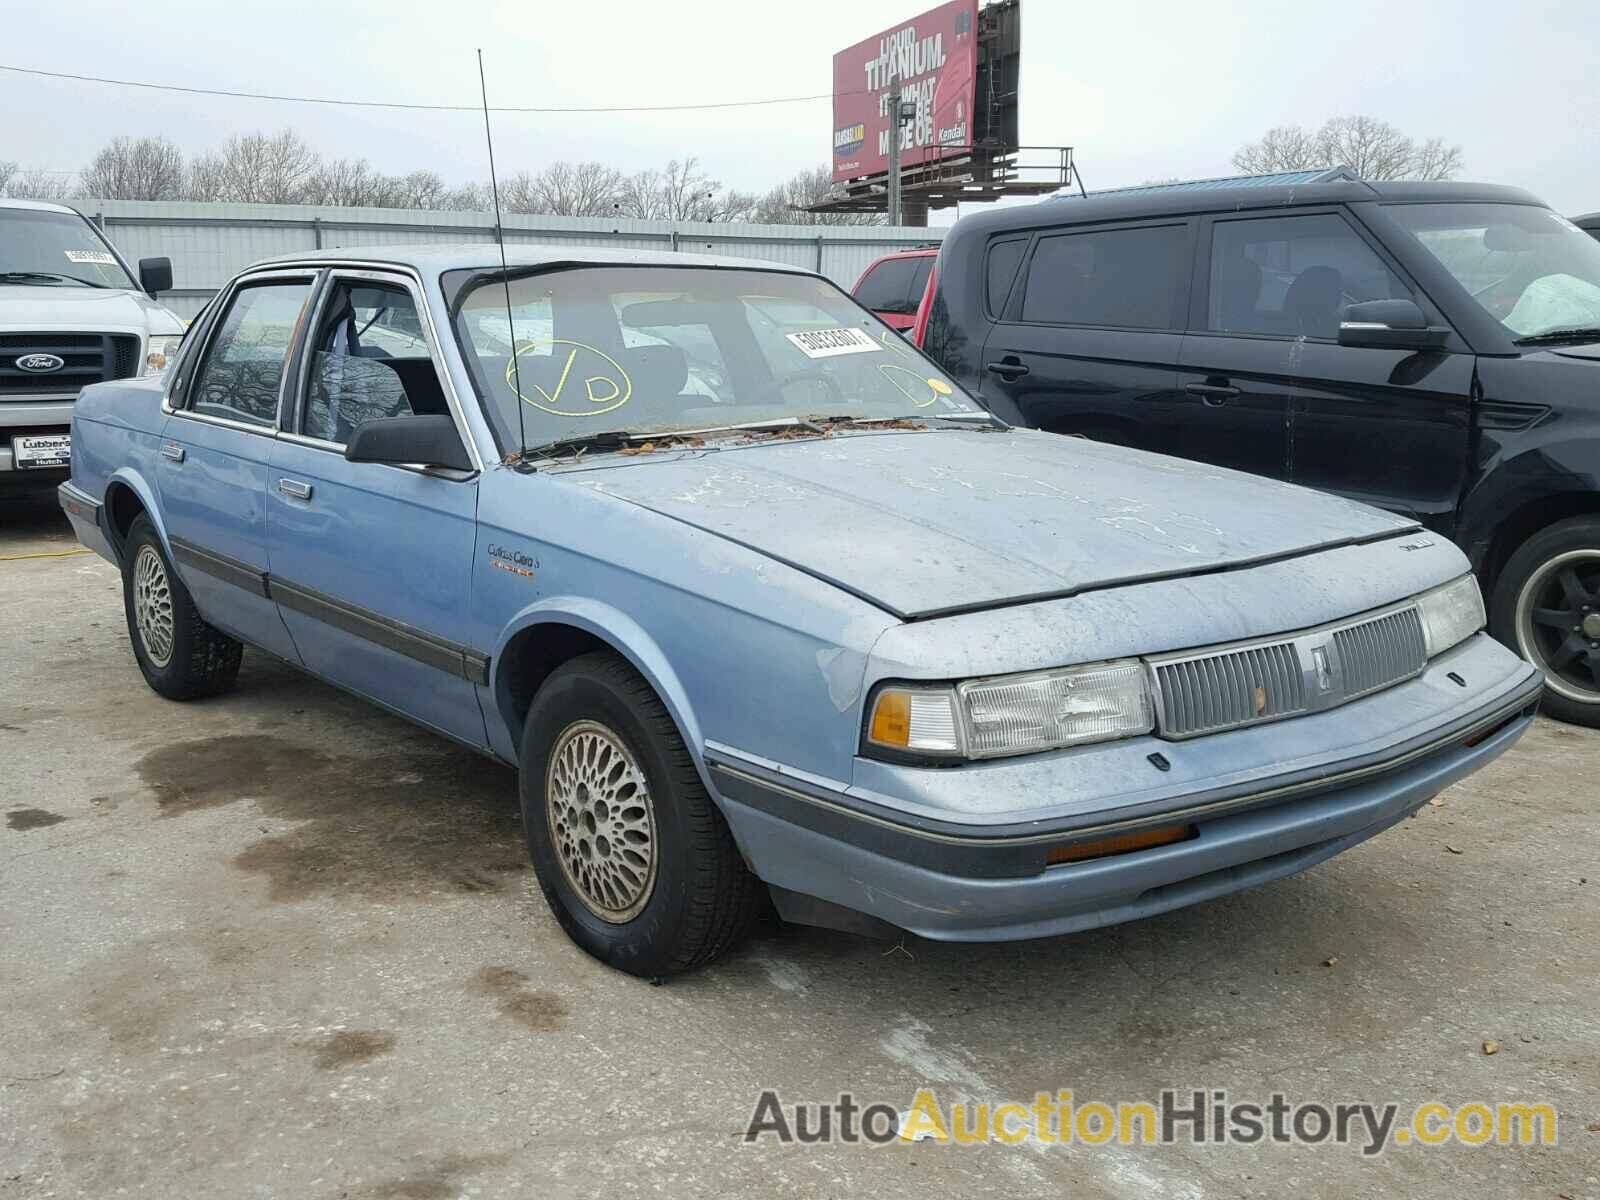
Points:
(893, 285)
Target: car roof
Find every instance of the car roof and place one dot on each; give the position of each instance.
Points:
(40, 206)
(430, 258)
(912, 252)
(1232, 195)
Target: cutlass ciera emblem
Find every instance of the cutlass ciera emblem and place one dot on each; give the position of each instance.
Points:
(40, 364)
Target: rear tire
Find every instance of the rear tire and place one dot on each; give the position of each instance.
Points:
(1546, 607)
(181, 657)
(632, 855)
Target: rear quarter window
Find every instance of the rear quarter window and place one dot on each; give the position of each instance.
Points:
(887, 286)
(1000, 271)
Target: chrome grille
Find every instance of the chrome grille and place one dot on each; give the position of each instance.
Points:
(1377, 653)
(1208, 691)
(1237, 687)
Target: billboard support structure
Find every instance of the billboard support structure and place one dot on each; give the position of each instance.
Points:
(956, 68)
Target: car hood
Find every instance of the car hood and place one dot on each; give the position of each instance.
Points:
(928, 523)
(79, 308)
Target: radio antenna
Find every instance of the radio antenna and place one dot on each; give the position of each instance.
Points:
(505, 272)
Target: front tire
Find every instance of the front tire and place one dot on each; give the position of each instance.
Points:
(1546, 606)
(632, 855)
(180, 656)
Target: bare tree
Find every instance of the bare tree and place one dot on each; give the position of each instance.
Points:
(1435, 160)
(256, 168)
(680, 191)
(420, 189)
(1283, 148)
(39, 184)
(349, 183)
(786, 203)
(469, 197)
(7, 170)
(146, 168)
(1373, 149)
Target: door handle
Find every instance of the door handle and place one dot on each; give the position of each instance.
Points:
(1213, 394)
(1009, 368)
(172, 450)
(293, 487)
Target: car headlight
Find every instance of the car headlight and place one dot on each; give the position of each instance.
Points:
(162, 350)
(1012, 714)
(1450, 614)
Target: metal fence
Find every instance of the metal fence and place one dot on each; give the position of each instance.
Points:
(209, 243)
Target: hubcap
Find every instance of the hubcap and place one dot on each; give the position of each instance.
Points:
(152, 605)
(602, 822)
(1558, 624)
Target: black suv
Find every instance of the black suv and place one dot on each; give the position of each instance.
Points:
(1433, 349)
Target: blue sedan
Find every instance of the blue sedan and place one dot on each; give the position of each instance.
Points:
(761, 604)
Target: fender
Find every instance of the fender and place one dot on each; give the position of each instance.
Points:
(621, 632)
(1527, 481)
(131, 478)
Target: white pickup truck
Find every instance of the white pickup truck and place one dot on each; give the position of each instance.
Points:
(72, 313)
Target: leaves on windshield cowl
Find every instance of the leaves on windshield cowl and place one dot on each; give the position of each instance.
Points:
(666, 442)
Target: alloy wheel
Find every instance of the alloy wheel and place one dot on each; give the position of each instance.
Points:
(152, 605)
(1558, 623)
(602, 821)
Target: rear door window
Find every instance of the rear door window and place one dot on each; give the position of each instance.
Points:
(243, 369)
(1121, 278)
(887, 287)
(1292, 276)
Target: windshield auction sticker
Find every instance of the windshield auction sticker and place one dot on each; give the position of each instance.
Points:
(99, 257)
(830, 343)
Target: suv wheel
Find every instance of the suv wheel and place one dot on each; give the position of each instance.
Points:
(1547, 607)
(180, 655)
(631, 853)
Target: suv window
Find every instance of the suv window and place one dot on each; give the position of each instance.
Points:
(243, 368)
(368, 360)
(1125, 278)
(887, 287)
(1004, 258)
(1292, 276)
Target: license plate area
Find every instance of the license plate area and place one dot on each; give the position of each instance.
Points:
(41, 451)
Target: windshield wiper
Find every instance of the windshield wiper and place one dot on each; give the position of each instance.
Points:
(605, 439)
(1589, 333)
(49, 275)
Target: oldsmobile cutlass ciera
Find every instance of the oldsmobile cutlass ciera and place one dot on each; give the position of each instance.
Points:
(757, 599)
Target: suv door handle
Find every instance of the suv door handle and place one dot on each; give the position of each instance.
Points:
(293, 487)
(1214, 394)
(172, 450)
(1009, 368)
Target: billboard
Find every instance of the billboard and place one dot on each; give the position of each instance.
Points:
(933, 60)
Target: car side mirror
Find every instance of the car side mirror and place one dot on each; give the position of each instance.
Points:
(429, 439)
(155, 275)
(1390, 325)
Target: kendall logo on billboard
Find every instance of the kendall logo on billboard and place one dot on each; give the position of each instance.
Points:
(931, 61)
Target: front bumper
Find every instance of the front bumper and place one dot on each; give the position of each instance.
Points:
(987, 880)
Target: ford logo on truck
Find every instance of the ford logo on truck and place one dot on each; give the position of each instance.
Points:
(41, 364)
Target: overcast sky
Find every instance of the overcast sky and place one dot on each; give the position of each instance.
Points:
(1143, 89)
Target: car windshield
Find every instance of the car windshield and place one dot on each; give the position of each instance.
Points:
(1531, 269)
(52, 249)
(674, 349)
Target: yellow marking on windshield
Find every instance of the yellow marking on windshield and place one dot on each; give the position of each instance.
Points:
(596, 399)
(918, 389)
